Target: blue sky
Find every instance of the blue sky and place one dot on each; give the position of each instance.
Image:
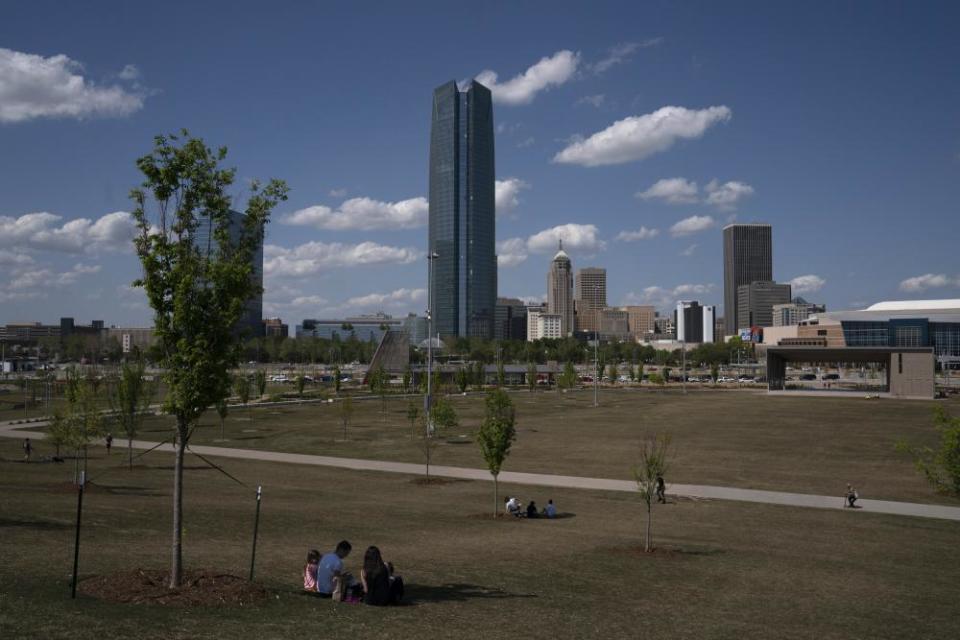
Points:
(633, 130)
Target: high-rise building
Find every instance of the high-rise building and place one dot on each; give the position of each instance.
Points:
(694, 323)
(642, 319)
(613, 324)
(462, 211)
(791, 313)
(747, 257)
(755, 303)
(510, 319)
(204, 239)
(590, 296)
(416, 328)
(560, 290)
(541, 324)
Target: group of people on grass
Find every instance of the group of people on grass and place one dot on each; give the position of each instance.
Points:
(324, 576)
(513, 507)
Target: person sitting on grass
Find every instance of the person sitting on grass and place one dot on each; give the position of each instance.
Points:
(330, 566)
(550, 510)
(380, 588)
(512, 507)
(532, 509)
(310, 571)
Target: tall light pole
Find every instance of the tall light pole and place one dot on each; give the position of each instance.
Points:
(683, 366)
(596, 343)
(428, 398)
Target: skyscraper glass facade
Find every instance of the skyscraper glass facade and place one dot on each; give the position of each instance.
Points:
(747, 257)
(462, 211)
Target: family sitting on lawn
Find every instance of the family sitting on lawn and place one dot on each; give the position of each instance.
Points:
(513, 507)
(378, 586)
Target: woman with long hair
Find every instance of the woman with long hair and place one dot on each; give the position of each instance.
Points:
(378, 588)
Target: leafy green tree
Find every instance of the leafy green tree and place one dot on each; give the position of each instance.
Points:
(260, 380)
(657, 379)
(130, 397)
(197, 293)
(301, 382)
(531, 376)
(501, 374)
(496, 435)
(378, 380)
(441, 417)
(479, 375)
(336, 380)
(242, 387)
(714, 372)
(940, 466)
(568, 379)
(613, 373)
(461, 378)
(640, 373)
(407, 377)
(666, 374)
(80, 421)
(632, 373)
(654, 456)
(346, 413)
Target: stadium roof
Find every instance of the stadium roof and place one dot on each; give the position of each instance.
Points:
(914, 305)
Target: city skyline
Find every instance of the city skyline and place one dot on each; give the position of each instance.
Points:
(633, 146)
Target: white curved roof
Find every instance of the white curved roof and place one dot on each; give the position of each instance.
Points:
(914, 305)
(561, 255)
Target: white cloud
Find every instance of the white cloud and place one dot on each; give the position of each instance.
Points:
(726, 196)
(521, 89)
(917, 284)
(511, 252)
(113, 231)
(583, 237)
(672, 190)
(594, 100)
(312, 257)
(129, 72)
(507, 194)
(807, 284)
(398, 297)
(363, 213)
(666, 298)
(14, 258)
(693, 224)
(689, 251)
(640, 234)
(32, 86)
(41, 278)
(338, 193)
(526, 142)
(638, 137)
(621, 52)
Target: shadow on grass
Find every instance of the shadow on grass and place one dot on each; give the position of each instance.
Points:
(456, 592)
(43, 525)
(128, 490)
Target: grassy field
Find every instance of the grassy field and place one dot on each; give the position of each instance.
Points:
(726, 570)
(727, 438)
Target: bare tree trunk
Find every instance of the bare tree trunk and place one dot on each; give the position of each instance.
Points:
(130, 452)
(649, 509)
(428, 458)
(176, 564)
(496, 497)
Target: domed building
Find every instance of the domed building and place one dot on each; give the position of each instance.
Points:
(560, 290)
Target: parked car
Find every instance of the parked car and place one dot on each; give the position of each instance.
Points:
(808, 376)
(830, 376)
(726, 379)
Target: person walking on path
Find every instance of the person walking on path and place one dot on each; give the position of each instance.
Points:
(27, 449)
(852, 497)
(661, 490)
(109, 441)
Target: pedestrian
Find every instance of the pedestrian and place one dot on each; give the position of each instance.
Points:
(661, 490)
(109, 442)
(27, 449)
(852, 497)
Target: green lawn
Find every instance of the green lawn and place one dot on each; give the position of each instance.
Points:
(727, 438)
(731, 570)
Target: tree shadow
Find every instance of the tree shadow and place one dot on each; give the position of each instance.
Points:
(128, 490)
(456, 592)
(44, 525)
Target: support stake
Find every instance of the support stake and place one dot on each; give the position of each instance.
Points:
(256, 526)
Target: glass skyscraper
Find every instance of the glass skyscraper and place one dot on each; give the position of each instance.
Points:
(462, 211)
(747, 257)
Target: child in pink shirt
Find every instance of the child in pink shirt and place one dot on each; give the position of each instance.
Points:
(310, 571)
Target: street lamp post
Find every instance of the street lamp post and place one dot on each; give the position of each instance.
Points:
(428, 398)
(683, 366)
(596, 343)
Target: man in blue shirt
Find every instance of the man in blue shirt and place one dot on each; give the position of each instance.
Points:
(331, 564)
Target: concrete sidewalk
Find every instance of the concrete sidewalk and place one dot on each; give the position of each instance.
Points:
(536, 479)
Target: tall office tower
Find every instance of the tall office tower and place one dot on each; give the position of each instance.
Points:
(252, 321)
(642, 319)
(510, 319)
(695, 323)
(755, 303)
(747, 257)
(590, 296)
(462, 214)
(560, 290)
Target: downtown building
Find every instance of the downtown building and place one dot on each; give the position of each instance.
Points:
(747, 257)
(694, 322)
(590, 297)
(756, 301)
(463, 287)
(560, 291)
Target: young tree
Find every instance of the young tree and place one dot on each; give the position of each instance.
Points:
(941, 467)
(346, 413)
(632, 373)
(441, 417)
(496, 435)
(613, 373)
(407, 377)
(260, 380)
(196, 283)
(479, 375)
(378, 380)
(654, 456)
(640, 373)
(531, 377)
(413, 413)
(666, 374)
(336, 380)
(241, 386)
(130, 397)
(568, 379)
(714, 372)
(301, 382)
(501, 374)
(222, 410)
(461, 379)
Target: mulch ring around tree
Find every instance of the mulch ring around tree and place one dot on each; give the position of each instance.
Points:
(201, 588)
(434, 480)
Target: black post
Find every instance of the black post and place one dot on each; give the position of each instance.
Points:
(256, 526)
(76, 542)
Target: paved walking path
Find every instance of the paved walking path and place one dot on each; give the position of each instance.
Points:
(572, 482)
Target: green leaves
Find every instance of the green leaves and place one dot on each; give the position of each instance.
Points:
(940, 466)
(497, 431)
